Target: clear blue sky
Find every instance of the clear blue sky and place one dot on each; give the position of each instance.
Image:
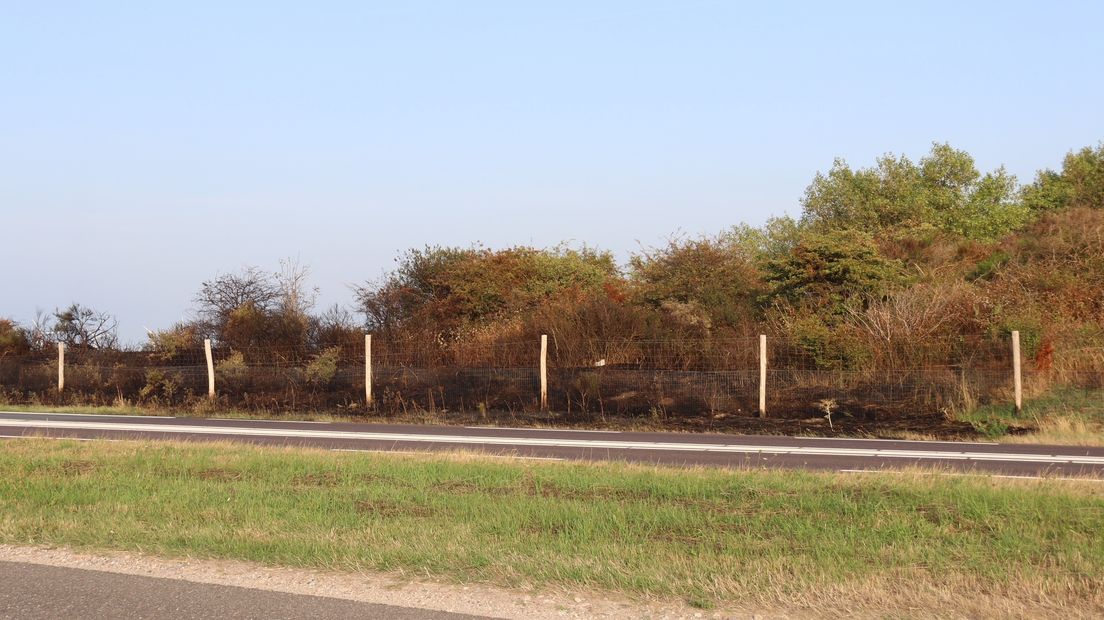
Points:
(145, 148)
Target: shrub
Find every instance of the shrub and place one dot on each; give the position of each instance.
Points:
(232, 369)
(450, 289)
(160, 387)
(13, 340)
(1031, 333)
(916, 326)
(986, 268)
(1055, 271)
(323, 368)
(826, 271)
(718, 275)
(247, 327)
(181, 341)
(828, 347)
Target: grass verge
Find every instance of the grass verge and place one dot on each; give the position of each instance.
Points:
(1063, 415)
(823, 544)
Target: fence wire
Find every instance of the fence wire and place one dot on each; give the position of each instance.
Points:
(680, 377)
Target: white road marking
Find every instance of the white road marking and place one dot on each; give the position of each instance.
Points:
(560, 442)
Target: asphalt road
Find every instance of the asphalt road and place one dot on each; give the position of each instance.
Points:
(660, 448)
(31, 591)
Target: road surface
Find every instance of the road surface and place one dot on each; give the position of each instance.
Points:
(30, 591)
(661, 448)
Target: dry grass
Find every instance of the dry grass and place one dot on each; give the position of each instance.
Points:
(1073, 416)
(1064, 431)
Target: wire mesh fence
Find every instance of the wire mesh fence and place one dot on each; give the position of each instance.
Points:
(676, 377)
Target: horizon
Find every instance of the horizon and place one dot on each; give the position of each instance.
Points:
(150, 149)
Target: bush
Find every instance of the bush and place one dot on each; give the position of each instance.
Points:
(828, 347)
(452, 289)
(13, 340)
(916, 326)
(827, 271)
(233, 369)
(987, 267)
(715, 276)
(161, 387)
(180, 342)
(1031, 333)
(323, 368)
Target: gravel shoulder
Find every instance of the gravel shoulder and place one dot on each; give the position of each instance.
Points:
(396, 589)
(39, 592)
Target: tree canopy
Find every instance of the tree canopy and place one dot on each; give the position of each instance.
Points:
(944, 189)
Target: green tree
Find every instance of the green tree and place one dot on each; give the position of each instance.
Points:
(773, 239)
(1080, 184)
(944, 189)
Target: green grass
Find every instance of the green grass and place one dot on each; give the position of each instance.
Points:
(771, 539)
(1060, 415)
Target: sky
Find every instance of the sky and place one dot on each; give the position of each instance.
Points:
(147, 147)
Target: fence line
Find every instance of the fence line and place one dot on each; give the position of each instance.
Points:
(680, 377)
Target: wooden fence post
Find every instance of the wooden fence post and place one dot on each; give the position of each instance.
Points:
(210, 368)
(1017, 376)
(762, 375)
(61, 367)
(544, 373)
(368, 369)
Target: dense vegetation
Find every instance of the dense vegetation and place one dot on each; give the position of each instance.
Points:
(901, 266)
(881, 256)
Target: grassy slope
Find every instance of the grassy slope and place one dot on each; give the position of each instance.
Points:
(825, 543)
